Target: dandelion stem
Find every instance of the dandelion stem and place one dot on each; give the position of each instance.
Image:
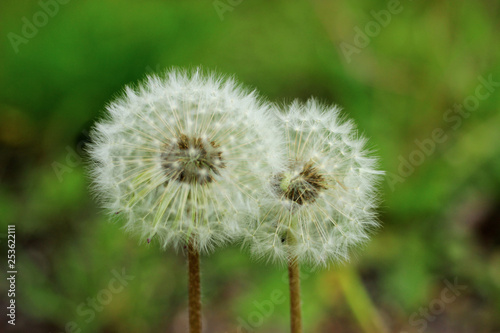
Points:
(295, 311)
(194, 288)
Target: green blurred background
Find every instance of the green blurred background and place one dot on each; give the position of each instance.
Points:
(440, 218)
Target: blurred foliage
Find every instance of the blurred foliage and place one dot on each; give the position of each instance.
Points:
(440, 223)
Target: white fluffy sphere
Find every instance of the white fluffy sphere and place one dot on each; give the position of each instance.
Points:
(182, 157)
(322, 203)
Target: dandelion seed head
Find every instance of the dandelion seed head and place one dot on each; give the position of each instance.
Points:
(177, 157)
(322, 203)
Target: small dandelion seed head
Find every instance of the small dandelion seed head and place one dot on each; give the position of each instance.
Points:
(319, 207)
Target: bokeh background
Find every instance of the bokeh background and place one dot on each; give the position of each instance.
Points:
(407, 79)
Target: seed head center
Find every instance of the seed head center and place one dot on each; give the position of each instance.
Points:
(300, 185)
(192, 160)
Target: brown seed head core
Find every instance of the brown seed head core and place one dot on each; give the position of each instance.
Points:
(301, 185)
(192, 160)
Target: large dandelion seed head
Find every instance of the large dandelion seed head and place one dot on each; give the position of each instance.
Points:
(181, 157)
(322, 202)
